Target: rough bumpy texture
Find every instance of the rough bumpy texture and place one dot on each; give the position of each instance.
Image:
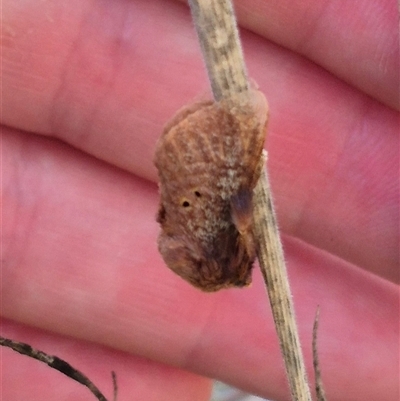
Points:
(208, 164)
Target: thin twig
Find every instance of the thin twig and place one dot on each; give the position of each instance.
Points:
(115, 385)
(319, 389)
(58, 364)
(218, 35)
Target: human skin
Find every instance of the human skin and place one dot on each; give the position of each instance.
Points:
(86, 89)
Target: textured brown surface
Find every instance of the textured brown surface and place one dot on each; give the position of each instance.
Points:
(208, 163)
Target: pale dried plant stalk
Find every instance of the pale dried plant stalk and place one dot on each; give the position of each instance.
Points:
(218, 35)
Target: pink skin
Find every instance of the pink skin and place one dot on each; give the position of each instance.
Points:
(79, 252)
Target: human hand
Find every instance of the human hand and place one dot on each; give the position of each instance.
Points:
(87, 87)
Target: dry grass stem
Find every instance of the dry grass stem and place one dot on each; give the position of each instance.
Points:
(218, 35)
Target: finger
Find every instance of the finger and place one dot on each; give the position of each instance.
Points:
(79, 242)
(137, 378)
(356, 41)
(105, 90)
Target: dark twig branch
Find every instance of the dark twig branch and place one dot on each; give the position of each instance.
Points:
(58, 364)
(317, 370)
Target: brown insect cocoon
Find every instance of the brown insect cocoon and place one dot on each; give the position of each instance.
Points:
(208, 164)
